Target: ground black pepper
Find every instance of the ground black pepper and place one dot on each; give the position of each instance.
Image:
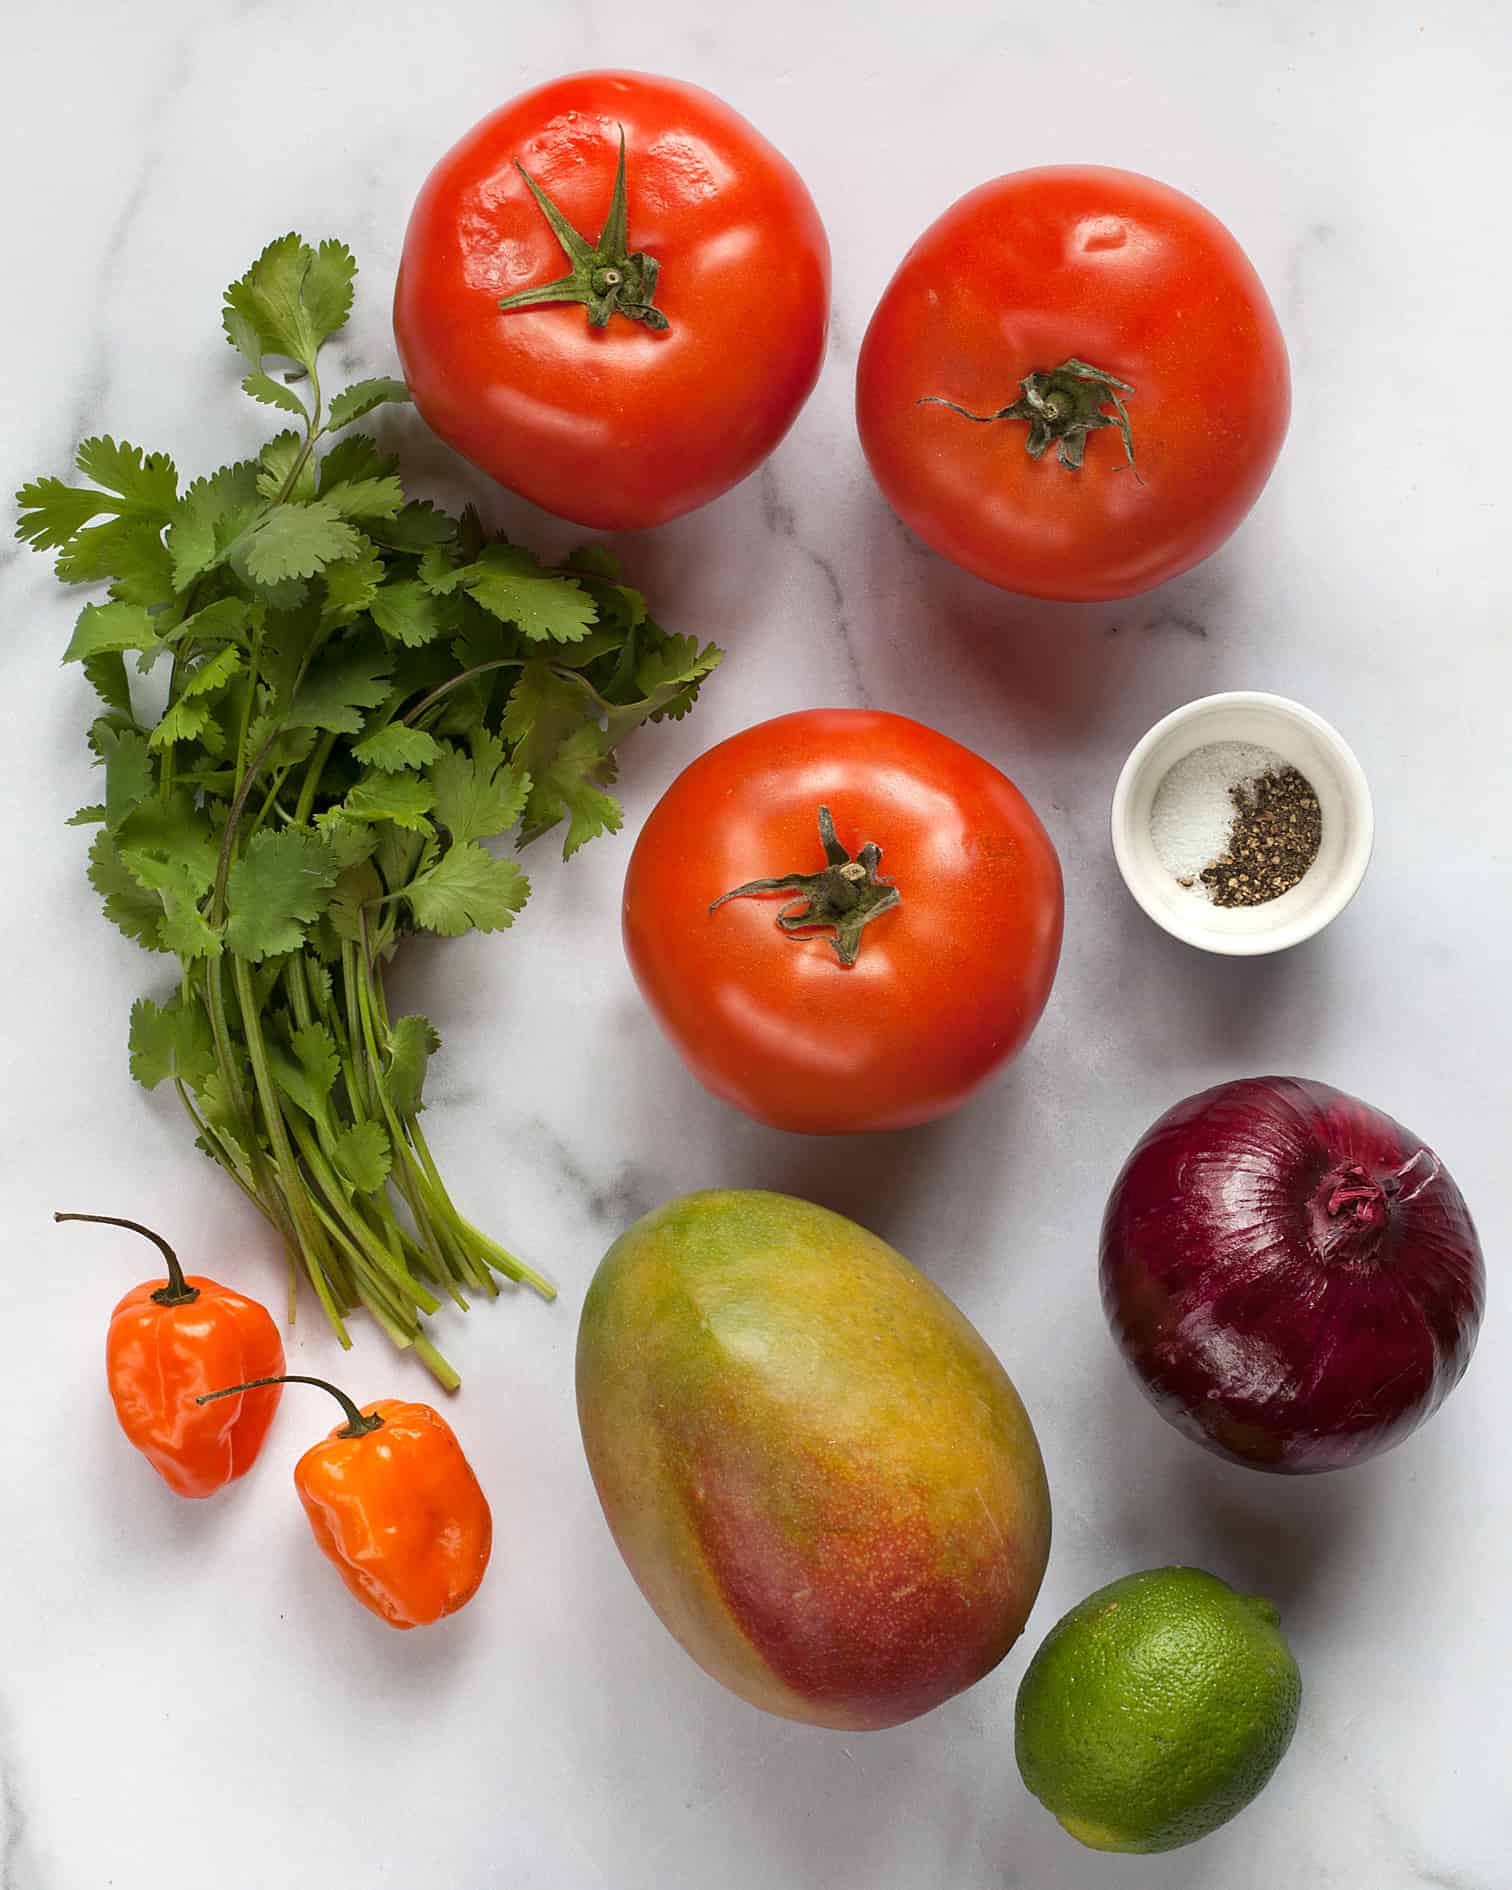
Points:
(1277, 829)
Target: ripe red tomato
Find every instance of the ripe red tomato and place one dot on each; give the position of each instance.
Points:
(701, 285)
(955, 930)
(1002, 307)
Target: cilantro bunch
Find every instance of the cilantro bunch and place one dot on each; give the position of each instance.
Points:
(361, 692)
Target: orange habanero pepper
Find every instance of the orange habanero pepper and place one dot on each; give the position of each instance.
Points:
(168, 1341)
(395, 1506)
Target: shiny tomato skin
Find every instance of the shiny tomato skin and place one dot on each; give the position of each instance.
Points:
(947, 985)
(618, 427)
(1105, 267)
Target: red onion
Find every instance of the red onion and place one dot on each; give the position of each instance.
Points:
(1294, 1277)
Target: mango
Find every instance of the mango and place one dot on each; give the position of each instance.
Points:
(818, 1473)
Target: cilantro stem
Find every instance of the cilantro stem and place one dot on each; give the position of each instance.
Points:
(311, 782)
(462, 676)
(311, 1243)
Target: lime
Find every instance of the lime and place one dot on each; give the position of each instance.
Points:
(1156, 1710)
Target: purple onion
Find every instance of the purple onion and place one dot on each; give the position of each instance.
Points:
(1293, 1277)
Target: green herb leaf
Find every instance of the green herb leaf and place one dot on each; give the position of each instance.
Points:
(297, 540)
(170, 1041)
(415, 526)
(362, 397)
(209, 518)
(128, 904)
(478, 795)
(468, 890)
(395, 747)
(509, 583)
(128, 769)
(185, 928)
(145, 482)
(129, 551)
(273, 393)
(352, 585)
(572, 784)
(276, 463)
(338, 688)
(363, 1155)
(290, 301)
(366, 498)
(405, 610)
(106, 628)
(412, 1044)
(402, 798)
(356, 457)
(274, 890)
(308, 1072)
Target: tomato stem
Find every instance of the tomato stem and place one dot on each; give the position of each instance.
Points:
(607, 277)
(358, 1423)
(178, 1291)
(1062, 405)
(845, 897)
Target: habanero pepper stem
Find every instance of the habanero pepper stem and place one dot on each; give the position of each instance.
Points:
(358, 1423)
(178, 1291)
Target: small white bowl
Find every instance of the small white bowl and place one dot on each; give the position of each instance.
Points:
(1310, 745)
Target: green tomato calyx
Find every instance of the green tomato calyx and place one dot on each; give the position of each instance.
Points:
(607, 277)
(843, 899)
(1062, 405)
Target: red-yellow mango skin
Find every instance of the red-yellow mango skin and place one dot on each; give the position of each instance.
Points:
(815, 1468)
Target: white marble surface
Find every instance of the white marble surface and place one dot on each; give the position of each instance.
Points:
(186, 1695)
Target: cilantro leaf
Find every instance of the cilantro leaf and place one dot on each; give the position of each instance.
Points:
(362, 397)
(280, 883)
(405, 610)
(511, 585)
(222, 622)
(144, 482)
(402, 798)
(170, 1040)
(298, 539)
(129, 551)
(209, 518)
(273, 393)
(467, 890)
(107, 676)
(438, 570)
(306, 1072)
(363, 1155)
(128, 769)
(51, 512)
(185, 928)
(366, 498)
(103, 629)
(480, 794)
(275, 468)
(290, 301)
(338, 687)
(572, 784)
(356, 457)
(394, 747)
(172, 829)
(352, 584)
(357, 886)
(128, 904)
(415, 526)
(183, 722)
(412, 1044)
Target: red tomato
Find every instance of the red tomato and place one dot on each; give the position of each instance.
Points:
(955, 930)
(711, 298)
(1079, 268)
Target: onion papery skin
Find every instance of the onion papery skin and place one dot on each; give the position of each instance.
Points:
(1293, 1277)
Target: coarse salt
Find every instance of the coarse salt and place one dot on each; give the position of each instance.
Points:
(1193, 811)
